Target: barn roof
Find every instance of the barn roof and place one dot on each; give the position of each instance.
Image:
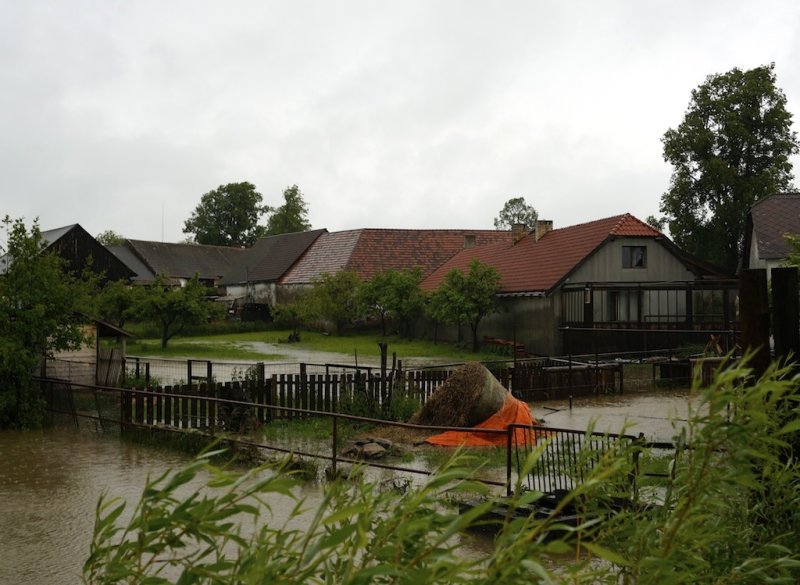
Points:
(271, 257)
(186, 260)
(370, 251)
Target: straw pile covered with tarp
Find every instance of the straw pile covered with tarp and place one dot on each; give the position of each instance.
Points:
(472, 398)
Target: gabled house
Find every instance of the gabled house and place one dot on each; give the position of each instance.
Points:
(768, 221)
(80, 251)
(255, 275)
(613, 273)
(370, 251)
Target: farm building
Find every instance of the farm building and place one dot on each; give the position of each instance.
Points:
(560, 286)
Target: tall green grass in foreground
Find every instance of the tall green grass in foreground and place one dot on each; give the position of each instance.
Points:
(729, 514)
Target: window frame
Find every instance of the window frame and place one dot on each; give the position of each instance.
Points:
(629, 257)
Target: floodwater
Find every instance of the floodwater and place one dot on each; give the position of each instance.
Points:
(50, 483)
(51, 480)
(658, 414)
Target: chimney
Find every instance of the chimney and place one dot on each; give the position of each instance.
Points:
(469, 241)
(518, 231)
(542, 227)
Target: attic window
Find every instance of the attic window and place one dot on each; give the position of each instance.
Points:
(634, 256)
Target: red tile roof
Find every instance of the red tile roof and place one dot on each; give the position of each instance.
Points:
(371, 251)
(540, 266)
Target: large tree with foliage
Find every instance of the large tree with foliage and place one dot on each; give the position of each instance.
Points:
(394, 294)
(175, 308)
(228, 216)
(39, 315)
(335, 298)
(468, 297)
(117, 302)
(290, 217)
(110, 238)
(516, 211)
(731, 150)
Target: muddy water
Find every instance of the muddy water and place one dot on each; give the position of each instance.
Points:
(50, 482)
(658, 414)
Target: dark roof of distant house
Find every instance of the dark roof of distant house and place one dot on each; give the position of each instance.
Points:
(542, 265)
(770, 219)
(370, 251)
(271, 257)
(81, 251)
(184, 260)
(143, 274)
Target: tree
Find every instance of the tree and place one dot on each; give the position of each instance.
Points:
(228, 216)
(468, 297)
(516, 211)
(40, 303)
(176, 308)
(110, 238)
(117, 302)
(291, 216)
(394, 294)
(731, 150)
(334, 297)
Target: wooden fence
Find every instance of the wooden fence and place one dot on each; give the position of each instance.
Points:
(199, 406)
(196, 405)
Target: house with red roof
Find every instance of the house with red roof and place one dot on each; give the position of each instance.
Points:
(618, 275)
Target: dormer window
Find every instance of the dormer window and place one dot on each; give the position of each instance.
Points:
(634, 256)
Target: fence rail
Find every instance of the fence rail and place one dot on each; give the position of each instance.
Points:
(567, 455)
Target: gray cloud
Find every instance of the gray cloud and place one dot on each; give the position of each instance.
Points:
(120, 115)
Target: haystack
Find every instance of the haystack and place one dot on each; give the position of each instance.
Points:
(468, 397)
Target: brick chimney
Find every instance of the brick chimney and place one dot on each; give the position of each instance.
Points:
(469, 241)
(518, 231)
(542, 227)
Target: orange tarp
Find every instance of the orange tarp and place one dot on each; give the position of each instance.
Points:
(513, 411)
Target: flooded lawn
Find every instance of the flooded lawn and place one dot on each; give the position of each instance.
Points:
(659, 414)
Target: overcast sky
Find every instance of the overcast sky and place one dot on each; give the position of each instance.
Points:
(120, 115)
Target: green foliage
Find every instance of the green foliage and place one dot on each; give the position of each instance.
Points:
(227, 216)
(516, 211)
(732, 149)
(793, 240)
(356, 400)
(110, 238)
(466, 297)
(394, 294)
(117, 302)
(290, 217)
(176, 308)
(335, 298)
(39, 304)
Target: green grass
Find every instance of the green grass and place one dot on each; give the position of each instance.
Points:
(205, 347)
(229, 346)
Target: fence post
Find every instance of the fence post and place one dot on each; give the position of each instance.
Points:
(754, 312)
(333, 446)
(509, 437)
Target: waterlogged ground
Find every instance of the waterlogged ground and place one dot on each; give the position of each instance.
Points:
(659, 414)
